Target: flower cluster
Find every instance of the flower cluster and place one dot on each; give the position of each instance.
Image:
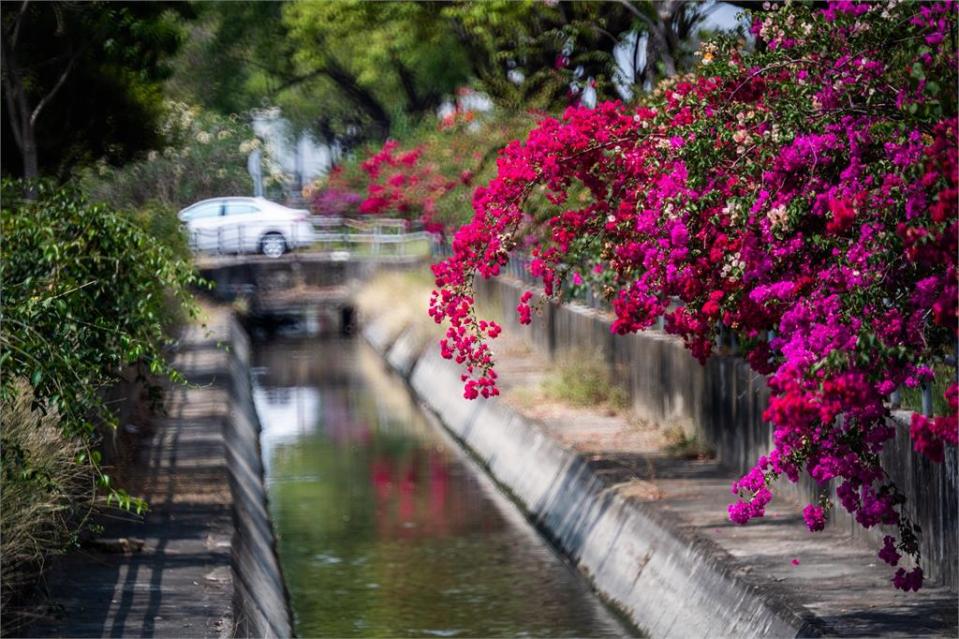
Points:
(402, 183)
(426, 177)
(337, 196)
(803, 195)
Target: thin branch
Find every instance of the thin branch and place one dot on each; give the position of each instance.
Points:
(636, 12)
(16, 24)
(72, 290)
(60, 81)
(293, 81)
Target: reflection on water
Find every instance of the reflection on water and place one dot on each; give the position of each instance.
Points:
(384, 528)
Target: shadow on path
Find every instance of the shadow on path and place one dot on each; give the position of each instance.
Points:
(178, 583)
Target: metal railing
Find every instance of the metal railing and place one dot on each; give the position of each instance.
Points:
(342, 237)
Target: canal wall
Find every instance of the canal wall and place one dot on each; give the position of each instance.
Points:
(722, 404)
(201, 561)
(260, 600)
(667, 580)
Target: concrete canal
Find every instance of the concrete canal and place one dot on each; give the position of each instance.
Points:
(385, 527)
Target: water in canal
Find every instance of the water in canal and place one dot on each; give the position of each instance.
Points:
(385, 527)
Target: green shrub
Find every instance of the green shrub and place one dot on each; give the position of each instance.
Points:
(161, 222)
(87, 294)
(206, 156)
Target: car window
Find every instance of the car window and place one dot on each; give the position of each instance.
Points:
(203, 211)
(239, 208)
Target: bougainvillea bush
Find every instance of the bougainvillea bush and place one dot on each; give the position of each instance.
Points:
(333, 199)
(427, 177)
(802, 194)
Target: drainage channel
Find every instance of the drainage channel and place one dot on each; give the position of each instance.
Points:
(385, 527)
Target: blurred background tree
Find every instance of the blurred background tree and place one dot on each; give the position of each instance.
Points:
(347, 70)
(541, 55)
(352, 71)
(83, 81)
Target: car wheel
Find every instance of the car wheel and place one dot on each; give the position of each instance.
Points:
(273, 245)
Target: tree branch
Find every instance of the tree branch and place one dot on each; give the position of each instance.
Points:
(12, 84)
(636, 12)
(16, 24)
(407, 82)
(56, 87)
(11, 108)
(293, 81)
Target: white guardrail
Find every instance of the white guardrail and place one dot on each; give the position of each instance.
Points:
(343, 237)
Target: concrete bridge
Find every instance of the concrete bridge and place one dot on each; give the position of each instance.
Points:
(303, 292)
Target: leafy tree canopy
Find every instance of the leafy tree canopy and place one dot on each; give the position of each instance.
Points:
(352, 70)
(342, 69)
(82, 80)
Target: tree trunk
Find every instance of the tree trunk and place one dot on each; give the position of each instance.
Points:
(418, 103)
(20, 115)
(23, 116)
(31, 163)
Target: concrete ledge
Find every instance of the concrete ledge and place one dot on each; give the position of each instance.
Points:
(260, 603)
(669, 582)
(405, 352)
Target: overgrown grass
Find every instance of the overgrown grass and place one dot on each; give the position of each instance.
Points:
(679, 444)
(47, 494)
(584, 380)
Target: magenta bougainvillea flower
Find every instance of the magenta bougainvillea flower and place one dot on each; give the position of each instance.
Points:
(803, 195)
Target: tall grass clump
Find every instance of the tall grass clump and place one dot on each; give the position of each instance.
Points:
(584, 379)
(47, 492)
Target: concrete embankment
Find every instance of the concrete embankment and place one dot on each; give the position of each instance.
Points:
(667, 586)
(201, 562)
(261, 603)
(722, 404)
(653, 537)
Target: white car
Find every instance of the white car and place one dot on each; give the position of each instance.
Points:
(246, 225)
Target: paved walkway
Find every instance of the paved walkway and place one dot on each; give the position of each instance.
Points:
(836, 577)
(169, 574)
